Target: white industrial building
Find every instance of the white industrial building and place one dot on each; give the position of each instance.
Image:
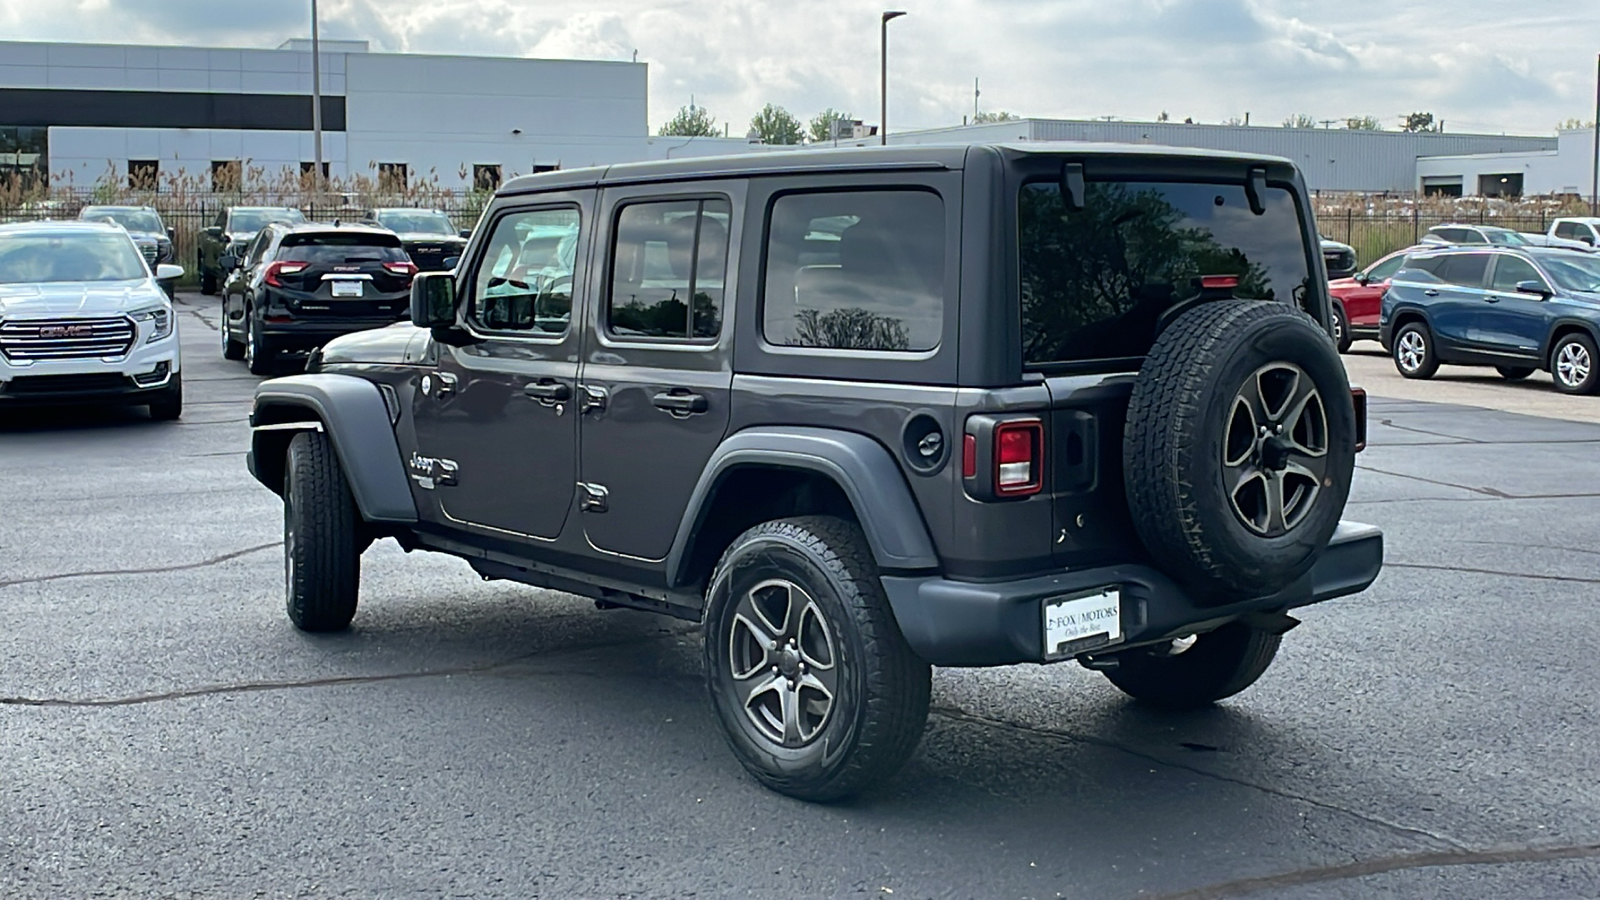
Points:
(76, 110)
(1568, 168)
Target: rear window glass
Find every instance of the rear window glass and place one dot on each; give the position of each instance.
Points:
(335, 249)
(862, 270)
(1097, 282)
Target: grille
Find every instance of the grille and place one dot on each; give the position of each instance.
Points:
(65, 384)
(149, 251)
(66, 338)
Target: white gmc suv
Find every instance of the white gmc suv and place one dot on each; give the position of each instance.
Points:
(84, 320)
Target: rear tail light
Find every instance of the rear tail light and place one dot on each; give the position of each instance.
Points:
(1219, 282)
(283, 267)
(403, 269)
(1019, 457)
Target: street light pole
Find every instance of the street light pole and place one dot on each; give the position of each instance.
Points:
(883, 75)
(1594, 186)
(316, 101)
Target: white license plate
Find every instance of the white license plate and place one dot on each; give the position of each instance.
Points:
(1073, 625)
(346, 288)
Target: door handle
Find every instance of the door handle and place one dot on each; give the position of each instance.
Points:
(1431, 292)
(548, 391)
(591, 398)
(680, 402)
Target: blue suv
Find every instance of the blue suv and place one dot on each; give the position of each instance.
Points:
(1514, 309)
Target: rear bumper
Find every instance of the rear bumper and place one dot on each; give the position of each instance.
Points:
(306, 334)
(952, 623)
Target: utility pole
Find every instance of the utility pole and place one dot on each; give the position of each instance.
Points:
(883, 75)
(316, 101)
(975, 93)
(1594, 195)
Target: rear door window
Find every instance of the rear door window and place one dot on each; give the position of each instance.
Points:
(668, 263)
(1097, 282)
(1464, 269)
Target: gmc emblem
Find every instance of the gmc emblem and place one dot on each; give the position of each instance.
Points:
(65, 331)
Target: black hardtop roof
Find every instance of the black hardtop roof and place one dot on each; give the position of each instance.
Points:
(330, 228)
(913, 156)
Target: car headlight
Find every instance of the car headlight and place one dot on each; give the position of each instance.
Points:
(160, 318)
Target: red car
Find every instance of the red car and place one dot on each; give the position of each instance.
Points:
(1356, 299)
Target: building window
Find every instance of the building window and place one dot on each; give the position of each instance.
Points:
(306, 167)
(143, 173)
(24, 159)
(1508, 184)
(392, 176)
(485, 176)
(666, 254)
(226, 175)
(556, 167)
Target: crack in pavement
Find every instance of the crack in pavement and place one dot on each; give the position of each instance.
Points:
(1385, 864)
(152, 570)
(1486, 491)
(1454, 437)
(1574, 579)
(960, 715)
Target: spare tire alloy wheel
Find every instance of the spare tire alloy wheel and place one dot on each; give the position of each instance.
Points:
(1275, 455)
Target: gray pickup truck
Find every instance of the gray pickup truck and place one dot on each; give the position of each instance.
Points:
(861, 412)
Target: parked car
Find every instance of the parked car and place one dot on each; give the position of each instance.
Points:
(1533, 239)
(296, 286)
(1357, 300)
(1518, 310)
(1339, 259)
(142, 223)
(431, 240)
(859, 412)
(1583, 229)
(1468, 235)
(234, 227)
(83, 320)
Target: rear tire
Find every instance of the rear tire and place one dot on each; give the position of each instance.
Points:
(1513, 373)
(259, 354)
(170, 407)
(1413, 351)
(1575, 365)
(1219, 664)
(818, 694)
(322, 559)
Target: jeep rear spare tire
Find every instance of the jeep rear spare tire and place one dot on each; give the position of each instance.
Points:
(1239, 448)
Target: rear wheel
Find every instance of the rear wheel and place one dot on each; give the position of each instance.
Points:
(321, 540)
(1574, 364)
(1513, 373)
(817, 691)
(1341, 330)
(1413, 351)
(1193, 672)
(259, 354)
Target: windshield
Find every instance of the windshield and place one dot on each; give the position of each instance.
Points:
(1579, 273)
(416, 221)
(245, 220)
(1507, 238)
(1097, 283)
(132, 219)
(38, 258)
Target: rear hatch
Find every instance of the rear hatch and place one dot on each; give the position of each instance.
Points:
(1096, 286)
(343, 273)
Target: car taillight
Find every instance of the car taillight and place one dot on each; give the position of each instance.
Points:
(283, 267)
(1219, 282)
(969, 456)
(403, 269)
(1019, 457)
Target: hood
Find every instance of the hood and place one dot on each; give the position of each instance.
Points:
(240, 237)
(74, 298)
(399, 344)
(1335, 245)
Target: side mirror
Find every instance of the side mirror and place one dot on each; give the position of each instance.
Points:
(433, 300)
(172, 234)
(214, 231)
(1362, 279)
(1587, 239)
(467, 232)
(168, 272)
(1533, 287)
(227, 262)
(450, 262)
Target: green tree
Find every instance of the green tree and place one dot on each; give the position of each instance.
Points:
(997, 116)
(821, 124)
(691, 121)
(1575, 125)
(1362, 123)
(1299, 120)
(776, 125)
(1418, 122)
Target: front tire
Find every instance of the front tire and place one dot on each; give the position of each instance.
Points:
(1413, 351)
(231, 349)
(321, 549)
(1575, 365)
(817, 692)
(1217, 665)
(170, 407)
(1341, 330)
(259, 354)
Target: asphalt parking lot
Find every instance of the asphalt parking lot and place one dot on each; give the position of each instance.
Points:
(164, 731)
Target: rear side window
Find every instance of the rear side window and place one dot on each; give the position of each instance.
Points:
(1096, 283)
(339, 249)
(1465, 269)
(858, 270)
(668, 263)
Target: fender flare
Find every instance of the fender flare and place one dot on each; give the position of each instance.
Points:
(352, 412)
(1549, 345)
(859, 465)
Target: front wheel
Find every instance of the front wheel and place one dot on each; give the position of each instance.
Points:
(1574, 364)
(1193, 672)
(1413, 351)
(259, 354)
(817, 691)
(1341, 330)
(321, 543)
(170, 407)
(231, 349)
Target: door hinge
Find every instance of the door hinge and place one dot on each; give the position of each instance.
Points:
(593, 497)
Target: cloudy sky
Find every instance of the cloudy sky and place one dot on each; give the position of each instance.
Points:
(1480, 65)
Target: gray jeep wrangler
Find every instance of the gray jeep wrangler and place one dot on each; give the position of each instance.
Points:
(861, 412)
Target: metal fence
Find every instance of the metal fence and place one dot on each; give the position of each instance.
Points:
(1376, 234)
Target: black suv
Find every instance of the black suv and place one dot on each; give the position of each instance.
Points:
(861, 412)
(430, 238)
(234, 228)
(294, 287)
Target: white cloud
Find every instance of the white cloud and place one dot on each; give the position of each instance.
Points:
(1483, 64)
